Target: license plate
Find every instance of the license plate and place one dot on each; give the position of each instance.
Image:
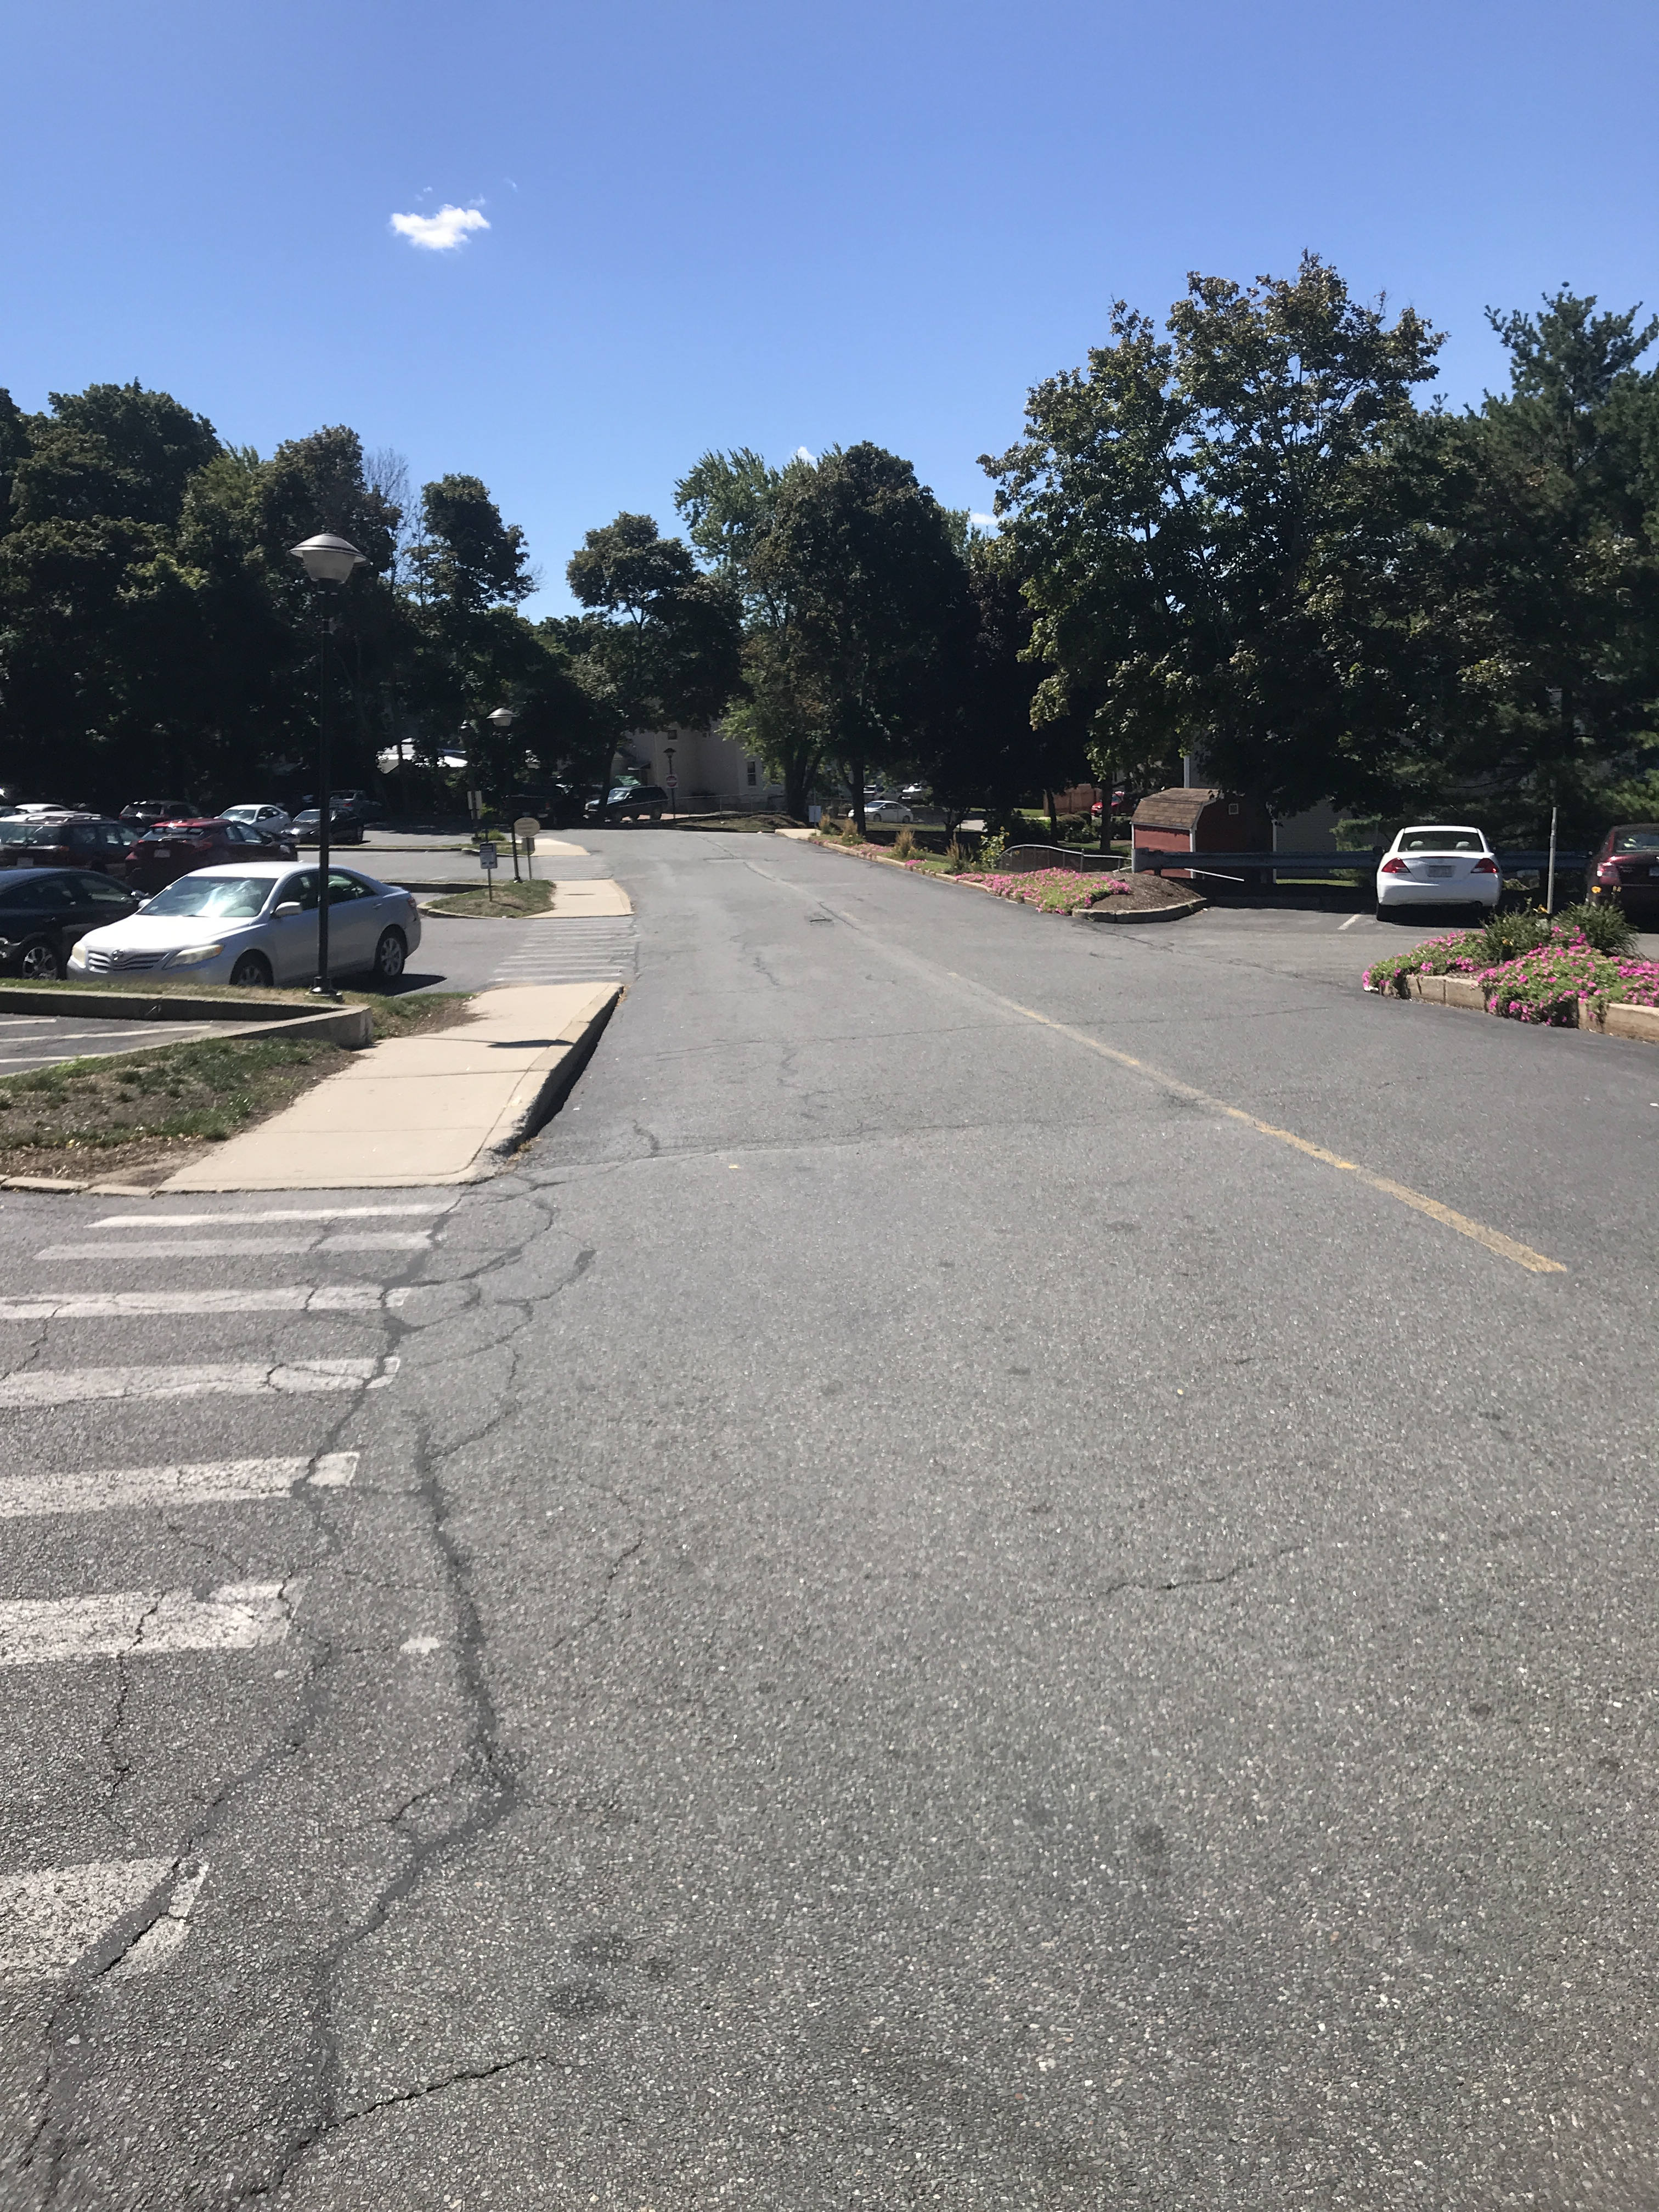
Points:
(1442, 871)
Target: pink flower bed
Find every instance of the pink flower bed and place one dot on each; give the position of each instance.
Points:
(1550, 985)
(1056, 891)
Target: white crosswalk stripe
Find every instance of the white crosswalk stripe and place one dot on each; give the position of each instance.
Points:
(281, 1298)
(141, 1624)
(270, 1213)
(199, 1482)
(242, 1378)
(585, 948)
(51, 1917)
(132, 1917)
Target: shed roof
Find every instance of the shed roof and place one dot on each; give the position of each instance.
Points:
(1178, 809)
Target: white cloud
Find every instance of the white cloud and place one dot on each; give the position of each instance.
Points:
(983, 521)
(440, 233)
(802, 454)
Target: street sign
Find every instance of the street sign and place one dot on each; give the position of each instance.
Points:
(526, 826)
(671, 783)
(488, 856)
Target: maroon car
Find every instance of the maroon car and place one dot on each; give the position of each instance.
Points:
(1626, 867)
(172, 849)
(65, 841)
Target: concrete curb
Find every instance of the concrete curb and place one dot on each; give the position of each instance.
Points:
(1177, 913)
(134, 1005)
(1463, 992)
(1106, 911)
(546, 1086)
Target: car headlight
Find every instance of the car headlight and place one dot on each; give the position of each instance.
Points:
(195, 954)
(78, 953)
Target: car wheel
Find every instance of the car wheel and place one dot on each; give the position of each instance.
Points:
(37, 963)
(251, 972)
(390, 954)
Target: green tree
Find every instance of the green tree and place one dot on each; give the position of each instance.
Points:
(662, 643)
(868, 562)
(1532, 584)
(730, 502)
(1175, 511)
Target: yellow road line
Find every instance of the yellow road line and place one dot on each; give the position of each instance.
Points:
(1506, 1247)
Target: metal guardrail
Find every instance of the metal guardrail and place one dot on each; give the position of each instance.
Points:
(1159, 863)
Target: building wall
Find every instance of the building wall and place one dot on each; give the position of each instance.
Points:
(710, 767)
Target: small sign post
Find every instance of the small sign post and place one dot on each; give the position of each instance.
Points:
(526, 828)
(487, 857)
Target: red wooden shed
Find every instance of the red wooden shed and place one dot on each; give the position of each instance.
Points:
(1200, 818)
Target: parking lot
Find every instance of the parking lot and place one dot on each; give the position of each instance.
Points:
(30, 1040)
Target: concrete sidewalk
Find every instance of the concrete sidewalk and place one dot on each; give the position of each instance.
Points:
(600, 895)
(444, 1108)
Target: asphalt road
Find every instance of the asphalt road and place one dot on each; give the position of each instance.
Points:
(943, 1607)
(30, 1040)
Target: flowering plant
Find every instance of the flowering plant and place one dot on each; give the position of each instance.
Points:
(1056, 891)
(1550, 985)
(1462, 953)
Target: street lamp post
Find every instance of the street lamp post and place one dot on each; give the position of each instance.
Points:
(501, 721)
(326, 560)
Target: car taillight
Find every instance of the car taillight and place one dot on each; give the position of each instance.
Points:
(1485, 868)
(1395, 868)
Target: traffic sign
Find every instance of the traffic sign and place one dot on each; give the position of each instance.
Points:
(671, 783)
(526, 826)
(488, 856)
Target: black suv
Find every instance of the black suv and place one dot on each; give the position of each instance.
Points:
(637, 801)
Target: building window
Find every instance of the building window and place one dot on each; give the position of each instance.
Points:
(753, 775)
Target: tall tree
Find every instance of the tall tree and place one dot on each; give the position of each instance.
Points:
(730, 501)
(662, 641)
(1172, 509)
(869, 563)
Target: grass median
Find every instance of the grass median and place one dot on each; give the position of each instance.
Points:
(144, 1114)
(511, 902)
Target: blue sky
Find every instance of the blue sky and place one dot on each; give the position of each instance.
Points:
(778, 226)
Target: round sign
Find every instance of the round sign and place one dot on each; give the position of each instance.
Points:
(526, 826)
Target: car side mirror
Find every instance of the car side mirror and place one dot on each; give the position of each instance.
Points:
(289, 906)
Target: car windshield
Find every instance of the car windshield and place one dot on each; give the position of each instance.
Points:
(239, 898)
(1442, 840)
(1639, 837)
(18, 829)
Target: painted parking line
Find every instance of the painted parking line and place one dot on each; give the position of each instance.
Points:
(51, 1917)
(1505, 1247)
(75, 1386)
(279, 1298)
(275, 1214)
(384, 1240)
(42, 1632)
(191, 1482)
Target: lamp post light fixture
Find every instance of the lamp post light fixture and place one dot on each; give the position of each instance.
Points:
(327, 562)
(501, 720)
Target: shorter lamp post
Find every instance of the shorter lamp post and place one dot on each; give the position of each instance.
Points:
(673, 787)
(326, 560)
(501, 721)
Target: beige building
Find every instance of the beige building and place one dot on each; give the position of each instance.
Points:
(709, 769)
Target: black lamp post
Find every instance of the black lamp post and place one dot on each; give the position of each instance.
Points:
(326, 560)
(501, 721)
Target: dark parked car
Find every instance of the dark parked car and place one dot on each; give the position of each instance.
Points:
(172, 849)
(65, 841)
(637, 800)
(345, 825)
(146, 812)
(44, 910)
(1625, 867)
(360, 802)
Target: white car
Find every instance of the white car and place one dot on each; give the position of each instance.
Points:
(1439, 864)
(258, 817)
(887, 809)
(255, 925)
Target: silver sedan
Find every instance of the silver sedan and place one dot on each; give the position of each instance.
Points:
(256, 923)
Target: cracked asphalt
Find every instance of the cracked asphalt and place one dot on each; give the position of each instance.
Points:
(923, 1619)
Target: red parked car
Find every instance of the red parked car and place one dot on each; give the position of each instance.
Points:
(1626, 867)
(172, 849)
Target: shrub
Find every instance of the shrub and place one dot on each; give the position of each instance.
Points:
(956, 858)
(1606, 927)
(1462, 953)
(1056, 891)
(904, 844)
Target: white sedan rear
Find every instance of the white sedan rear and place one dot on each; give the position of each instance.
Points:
(255, 925)
(1439, 864)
